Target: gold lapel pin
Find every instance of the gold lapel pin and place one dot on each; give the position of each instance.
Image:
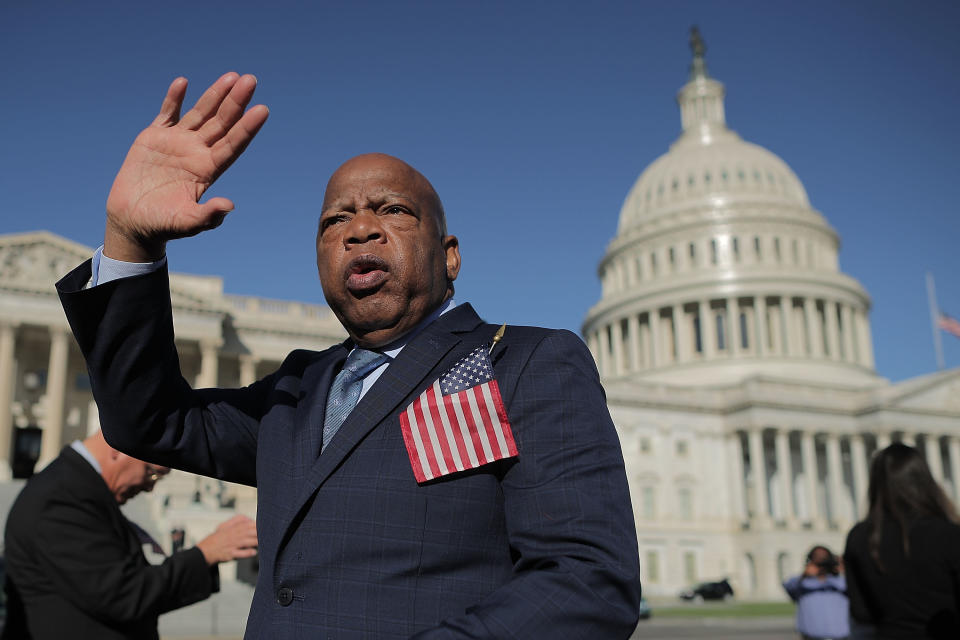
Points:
(498, 336)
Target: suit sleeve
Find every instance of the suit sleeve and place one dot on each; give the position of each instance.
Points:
(569, 516)
(125, 331)
(98, 573)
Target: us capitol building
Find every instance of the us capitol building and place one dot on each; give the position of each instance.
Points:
(736, 356)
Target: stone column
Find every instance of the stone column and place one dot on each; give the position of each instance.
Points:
(791, 336)
(681, 334)
(774, 329)
(646, 345)
(248, 370)
(858, 459)
(758, 469)
(207, 378)
(708, 330)
(737, 479)
(846, 315)
(616, 336)
(833, 342)
(785, 474)
(908, 439)
(866, 342)
(656, 338)
(633, 328)
(883, 440)
(934, 461)
(591, 345)
(813, 327)
(838, 512)
(808, 452)
(7, 361)
(56, 393)
(953, 448)
(760, 319)
(605, 364)
(733, 326)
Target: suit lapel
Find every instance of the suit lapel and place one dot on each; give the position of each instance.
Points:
(405, 374)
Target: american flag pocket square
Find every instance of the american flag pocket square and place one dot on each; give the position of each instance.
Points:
(459, 422)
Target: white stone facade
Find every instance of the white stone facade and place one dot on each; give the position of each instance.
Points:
(739, 368)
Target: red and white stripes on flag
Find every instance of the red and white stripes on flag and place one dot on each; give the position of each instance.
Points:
(459, 422)
(948, 324)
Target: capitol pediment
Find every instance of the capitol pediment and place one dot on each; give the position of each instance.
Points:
(937, 392)
(35, 261)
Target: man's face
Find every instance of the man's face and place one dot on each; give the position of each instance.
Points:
(134, 476)
(382, 260)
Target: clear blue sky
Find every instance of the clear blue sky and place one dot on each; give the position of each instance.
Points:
(532, 119)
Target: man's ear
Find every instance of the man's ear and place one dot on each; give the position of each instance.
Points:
(451, 247)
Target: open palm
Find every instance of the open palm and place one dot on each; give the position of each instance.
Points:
(173, 162)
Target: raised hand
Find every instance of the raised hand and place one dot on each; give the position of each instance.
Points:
(155, 196)
(232, 539)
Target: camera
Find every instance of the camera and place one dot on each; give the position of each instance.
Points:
(824, 560)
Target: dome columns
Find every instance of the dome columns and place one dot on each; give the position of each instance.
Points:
(708, 329)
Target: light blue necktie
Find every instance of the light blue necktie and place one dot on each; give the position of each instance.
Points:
(345, 390)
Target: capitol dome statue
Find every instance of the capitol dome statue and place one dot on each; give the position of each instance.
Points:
(721, 270)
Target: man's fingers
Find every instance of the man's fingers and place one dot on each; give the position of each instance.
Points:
(211, 213)
(230, 110)
(229, 147)
(172, 102)
(209, 102)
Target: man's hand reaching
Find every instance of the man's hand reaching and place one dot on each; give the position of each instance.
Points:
(235, 538)
(155, 196)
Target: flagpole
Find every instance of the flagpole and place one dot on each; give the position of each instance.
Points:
(935, 320)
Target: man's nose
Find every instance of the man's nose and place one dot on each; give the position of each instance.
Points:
(363, 227)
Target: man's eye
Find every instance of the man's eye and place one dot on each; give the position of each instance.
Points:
(329, 221)
(395, 209)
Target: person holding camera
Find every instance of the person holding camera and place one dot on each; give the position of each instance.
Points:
(823, 610)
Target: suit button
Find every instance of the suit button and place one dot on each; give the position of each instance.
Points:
(284, 596)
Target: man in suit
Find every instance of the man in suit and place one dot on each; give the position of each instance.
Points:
(75, 564)
(383, 511)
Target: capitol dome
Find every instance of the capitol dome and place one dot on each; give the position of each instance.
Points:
(721, 267)
(727, 170)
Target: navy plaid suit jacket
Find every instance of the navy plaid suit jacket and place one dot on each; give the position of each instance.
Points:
(351, 546)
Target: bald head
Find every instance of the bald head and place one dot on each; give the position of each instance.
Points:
(373, 165)
(384, 258)
(124, 476)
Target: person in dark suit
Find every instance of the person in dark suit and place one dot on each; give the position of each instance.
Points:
(75, 564)
(392, 503)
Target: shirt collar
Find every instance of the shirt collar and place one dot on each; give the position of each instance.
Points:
(79, 447)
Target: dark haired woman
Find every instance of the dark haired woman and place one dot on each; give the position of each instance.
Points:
(903, 561)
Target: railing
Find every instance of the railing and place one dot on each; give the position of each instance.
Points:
(253, 304)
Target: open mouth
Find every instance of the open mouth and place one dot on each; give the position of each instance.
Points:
(365, 273)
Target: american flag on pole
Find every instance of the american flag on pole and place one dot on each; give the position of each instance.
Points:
(458, 422)
(948, 324)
